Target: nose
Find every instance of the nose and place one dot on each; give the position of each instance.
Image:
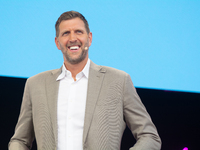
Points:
(72, 37)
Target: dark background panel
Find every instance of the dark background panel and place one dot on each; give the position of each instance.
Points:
(175, 114)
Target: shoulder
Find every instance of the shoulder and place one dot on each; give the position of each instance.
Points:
(108, 70)
(44, 75)
(114, 71)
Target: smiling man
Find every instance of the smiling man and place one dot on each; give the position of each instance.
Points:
(73, 40)
(81, 106)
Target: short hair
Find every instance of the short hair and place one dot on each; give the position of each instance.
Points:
(71, 15)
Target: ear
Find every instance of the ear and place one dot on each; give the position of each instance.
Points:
(57, 43)
(90, 38)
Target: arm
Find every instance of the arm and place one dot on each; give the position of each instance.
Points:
(138, 120)
(24, 132)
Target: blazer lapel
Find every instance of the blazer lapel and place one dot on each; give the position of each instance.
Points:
(96, 75)
(52, 95)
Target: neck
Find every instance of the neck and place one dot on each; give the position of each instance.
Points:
(75, 68)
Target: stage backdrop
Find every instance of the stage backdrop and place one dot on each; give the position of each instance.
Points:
(156, 42)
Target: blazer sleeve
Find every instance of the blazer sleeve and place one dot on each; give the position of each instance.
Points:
(24, 132)
(138, 120)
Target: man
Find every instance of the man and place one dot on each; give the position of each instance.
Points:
(82, 105)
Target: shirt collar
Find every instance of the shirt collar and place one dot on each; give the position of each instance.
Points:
(85, 71)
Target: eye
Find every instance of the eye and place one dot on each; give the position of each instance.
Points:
(65, 33)
(79, 31)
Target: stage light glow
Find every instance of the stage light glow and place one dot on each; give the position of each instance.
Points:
(185, 148)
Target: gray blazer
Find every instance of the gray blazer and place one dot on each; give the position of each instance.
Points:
(112, 102)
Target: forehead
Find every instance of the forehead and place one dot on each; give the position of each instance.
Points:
(72, 24)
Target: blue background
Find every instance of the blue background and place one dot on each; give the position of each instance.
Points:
(156, 42)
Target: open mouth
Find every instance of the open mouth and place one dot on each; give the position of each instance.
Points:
(73, 48)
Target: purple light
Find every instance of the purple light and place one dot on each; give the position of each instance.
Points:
(185, 148)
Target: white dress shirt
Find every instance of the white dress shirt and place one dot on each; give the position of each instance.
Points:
(71, 108)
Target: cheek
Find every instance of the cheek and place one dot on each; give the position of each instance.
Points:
(64, 42)
(87, 42)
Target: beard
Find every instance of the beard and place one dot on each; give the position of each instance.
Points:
(69, 56)
(77, 60)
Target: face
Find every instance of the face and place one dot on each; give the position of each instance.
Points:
(73, 40)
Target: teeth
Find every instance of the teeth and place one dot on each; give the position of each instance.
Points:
(74, 47)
